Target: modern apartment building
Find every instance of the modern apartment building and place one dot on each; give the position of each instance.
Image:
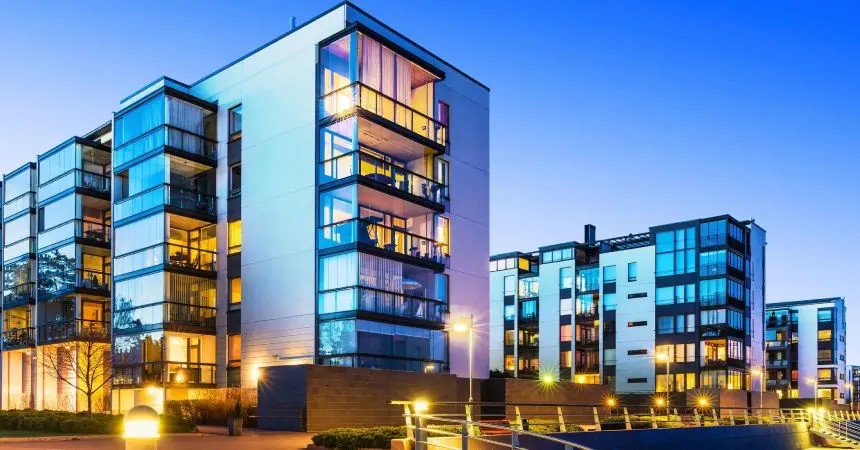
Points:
(359, 231)
(615, 310)
(853, 373)
(805, 345)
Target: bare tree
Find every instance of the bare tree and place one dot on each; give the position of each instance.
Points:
(84, 364)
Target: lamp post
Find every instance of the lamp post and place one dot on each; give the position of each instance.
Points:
(665, 357)
(814, 382)
(462, 327)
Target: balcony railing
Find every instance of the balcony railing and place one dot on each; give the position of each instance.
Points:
(169, 136)
(18, 338)
(587, 368)
(166, 194)
(777, 344)
(779, 383)
(589, 314)
(181, 314)
(382, 302)
(19, 295)
(84, 229)
(356, 95)
(69, 280)
(713, 300)
(713, 362)
(84, 179)
(74, 329)
(18, 204)
(164, 372)
(777, 323)
(373, 168)
(190, 257)
(368, 232)
(776, 363)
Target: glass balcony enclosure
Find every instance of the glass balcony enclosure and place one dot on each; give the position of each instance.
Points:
(75, 165)
(359, 73)
(165, 239)
(165, 121)
(17, 329)
(74, 216)
(164, 358)
(419, 174)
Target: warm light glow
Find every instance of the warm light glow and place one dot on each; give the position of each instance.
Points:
(821, 411)
(662, 357)
(141, 429)
(420, 406)
(811, 380)
(429, 367)
(547, 379)
(703, 402)
(580, 379)
(610, 402)
(152, 390)
(460, 327)
(660, 402)
(255, 374)
(756, 372)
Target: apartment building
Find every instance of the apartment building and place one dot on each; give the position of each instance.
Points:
(359, 232)
(853, 373)
(805, 346)
(688, 296)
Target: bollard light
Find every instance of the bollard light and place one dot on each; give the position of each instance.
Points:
(140, 428)
(660, 402)
(547, 379)
(421, 406)
(610, 402)
(703, 402)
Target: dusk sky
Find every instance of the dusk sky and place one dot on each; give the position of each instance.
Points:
(623, 114)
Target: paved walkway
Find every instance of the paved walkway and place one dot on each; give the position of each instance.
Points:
(218, 440)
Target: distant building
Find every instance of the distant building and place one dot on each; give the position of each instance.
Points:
(805, 346)
(607, 311)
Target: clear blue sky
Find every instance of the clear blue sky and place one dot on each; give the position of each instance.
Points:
(623, 114)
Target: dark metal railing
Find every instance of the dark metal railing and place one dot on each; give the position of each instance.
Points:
(18, 338)
(190, 257)
(166, 135)
(19, 295)
(77, 278)
(368, 232)
(73, 329)
(357, 95)
(189, 315)
(165, 194)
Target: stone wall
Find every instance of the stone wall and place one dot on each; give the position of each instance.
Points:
(318, 398)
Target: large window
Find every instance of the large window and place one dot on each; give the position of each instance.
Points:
(665, 325)
(609, 302)
(609, 274)
(676, 252)
(234, 237)
(565, 278)
(235, 122)
(712, 292)
(550, 256)
(235, 290)
(669, 295)
(529, 287)
(712, 263)
(713, 233)
(631, 271)
(510, 285)
(588, 279)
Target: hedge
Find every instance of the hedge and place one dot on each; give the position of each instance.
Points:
(79, 423)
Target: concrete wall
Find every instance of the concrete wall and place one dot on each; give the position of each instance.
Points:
(522, 392)
(317, 398)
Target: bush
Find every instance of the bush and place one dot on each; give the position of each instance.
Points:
(355, 438)
(79, 423)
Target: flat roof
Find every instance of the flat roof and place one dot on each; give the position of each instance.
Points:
(790, 303)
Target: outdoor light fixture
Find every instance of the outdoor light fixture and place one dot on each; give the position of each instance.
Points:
(140, 428)
(703, 402)
(462, 326)
(180, 377)
(610, 402)
(547, 379)
(420, 406)
(152, 390)
(660, 402)
(580, 379)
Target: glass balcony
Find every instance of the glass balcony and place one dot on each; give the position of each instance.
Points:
(19, 204)
(190, 257)
(368, 232)
(18, 338)
(168, 136)
(777, 344)
(20, 248)
(713, 300)
(22, 294)
(74, 329)
(154, 373)
(84, 229)
(776, 363)
(381, 302)
(54, 284)
(189, 315)
(780, 383)
(344, 101)
(166, 194)
(383, 172)
(75, 178)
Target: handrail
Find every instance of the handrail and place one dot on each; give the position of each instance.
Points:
(365, 231)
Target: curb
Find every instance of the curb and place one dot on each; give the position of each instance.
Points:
(88, 437)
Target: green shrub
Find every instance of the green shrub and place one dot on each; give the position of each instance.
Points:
(355, 438)
(79, 423)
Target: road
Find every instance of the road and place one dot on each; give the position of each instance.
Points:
(250, 441)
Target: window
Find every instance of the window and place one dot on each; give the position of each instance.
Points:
(637, 380)
(587, 279)
(609, 274)
(551, 256)
(631, 271)
(669, 295)
(825, 315)
(566, 359)
(679, 323)
(712, 263)
(638, 295)
(609, 302)
(235, 125)
(235, 180)
(234, 348)
(510, 337)
(713, 233)
(640, 323)
(825, 335)
(676, 252)
(234, 237)
(609, 356)
(444, 113)
(510, 312)
(528, 309)
(529, 287)
(565, 306)
(665, 325)
(691, 323)
(712, 292)
(736, 232)
(736, 261)
(641, 351)
(235, 290)
(565, 333)
(565, 278)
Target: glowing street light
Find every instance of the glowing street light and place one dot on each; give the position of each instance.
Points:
(814, 382)
(703, 402)
(420, 406)
(467, 327)
(610, 402)
(547, 379)
(660, 402)
(665, 357)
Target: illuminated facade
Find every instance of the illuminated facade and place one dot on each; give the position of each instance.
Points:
(359, 230)
(612, 311)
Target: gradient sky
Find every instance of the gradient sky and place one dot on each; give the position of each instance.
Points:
(623, 114)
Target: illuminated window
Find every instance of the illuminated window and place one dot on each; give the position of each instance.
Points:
(235, 290)
(566, 359)
(825, 335)
(510, 337)
(566, 333)
(509, 362)
(234, 237)
(234, 349)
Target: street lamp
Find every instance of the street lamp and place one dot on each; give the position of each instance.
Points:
(665, 357)
(467, 327)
